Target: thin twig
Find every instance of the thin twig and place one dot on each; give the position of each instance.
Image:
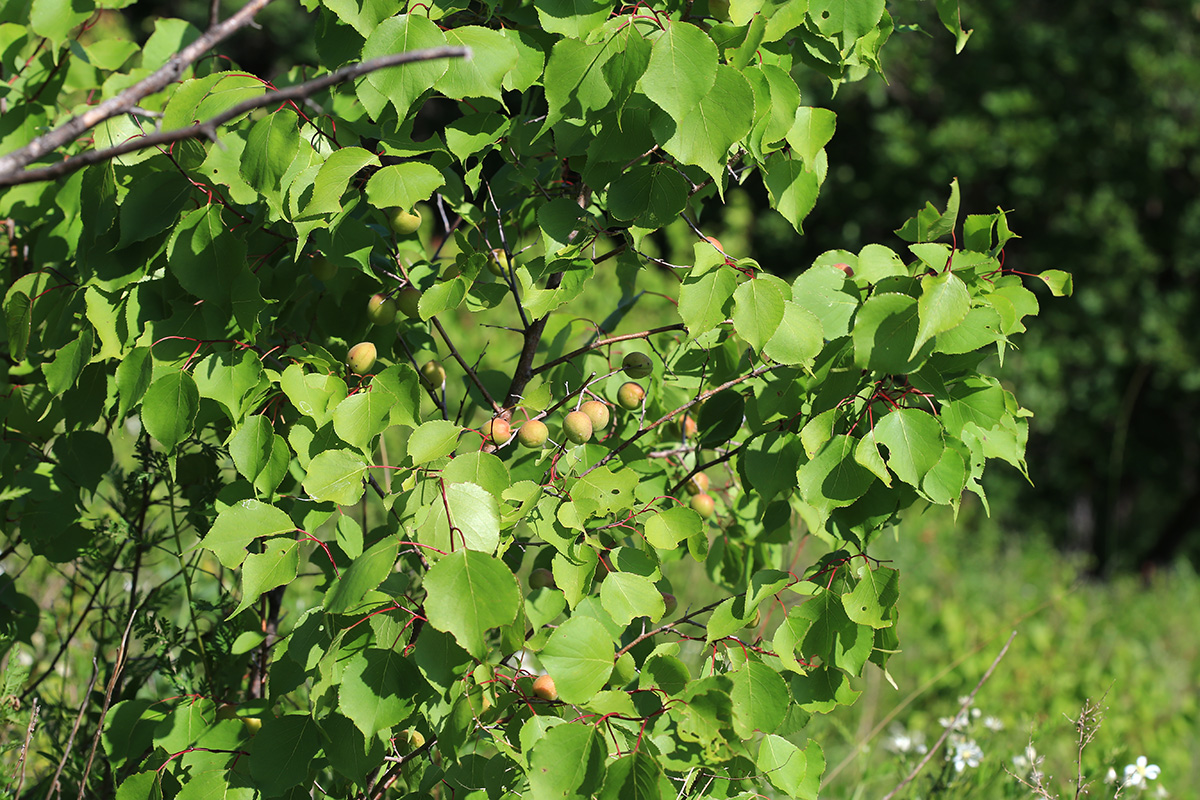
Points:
(946, 733)
(33, 715)
(87, 696)
(625, 337)
(11, 175)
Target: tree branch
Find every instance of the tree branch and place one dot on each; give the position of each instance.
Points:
(208, 128)
(12, 164)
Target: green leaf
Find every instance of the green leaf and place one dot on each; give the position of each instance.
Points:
(648, 196)
(574, 18)
(377, 689)
(337, 476)
(476, 516)
(711, 126)
(169, 408)
(704, 297)
(271, 146)
(282, 753)
(720, 418)
(403, 85)
(770, 463)
(239, 525)
(64, 369)
(757, 310)
(682, 70)
(811, 131)
(152, 205)
(18, 320)
(791, 187)
(567, 762)
(626, 596)
(204, 256)
(333, 178)
(55, 19)
(851, 18)
(492, 56)
(227, 377)
(949, 14)
(433, 439)
(830, 296)
(885, 335)
(944, 303)
(873, 596)
(468, 593)
(442, 296)
(798, 339)
(930, 224)
(134, 374)
(276, 565)
(788, 767)
(365, 573)
(834, 478)
(579, 656)
(313, 394)
(1060, 282)
(404, 185)
(914, 442)
(636, 776)
(760, 699)
(362, 416)
(667, 529)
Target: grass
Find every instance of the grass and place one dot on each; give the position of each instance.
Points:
(1128, 644)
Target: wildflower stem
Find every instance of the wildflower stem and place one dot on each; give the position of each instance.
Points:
(966, 703)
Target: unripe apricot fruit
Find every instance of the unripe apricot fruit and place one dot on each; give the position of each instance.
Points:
(433, 374)
(323, 269)
(598, 413)
(533, 434)
(361, 358)
(497, 262)
(631, 396)
(703, 505)
(407, 301)
(403, 221)
(846, 268)
(543, 687)
(381, 310)
(578, 427)
(670, 602)
(413, 738)
(697, 484)
(497, 430)
(637, 365)
(541, 578)
(689, 427)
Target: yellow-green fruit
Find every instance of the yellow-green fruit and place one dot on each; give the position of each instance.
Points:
(753, 623)
(497, 430)
(689, 427)
(631, 396)
(533, 434)
(407, 301)
(413, 738)
(578, 427)
(670, 602)
(323, 269)
(543, 687)
(598, 413)
(541, 578)
(697, 484)
(433, 374)
(361, 358)
(497, 262)
(253, 724)
(381, 310)
(403, 221)
(703, 505)
(637, 365)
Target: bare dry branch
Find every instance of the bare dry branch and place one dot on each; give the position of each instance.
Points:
(208, 128)
(12, 164)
